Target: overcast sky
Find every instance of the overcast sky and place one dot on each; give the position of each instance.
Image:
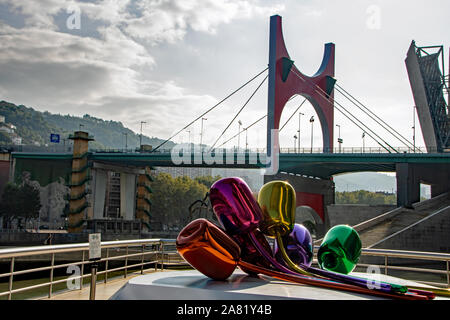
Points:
(165, 62)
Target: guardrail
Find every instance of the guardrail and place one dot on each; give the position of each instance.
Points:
(141, 253)
(162, 253)
(416, 255)
(388, 254)
(196, 149)
(356, 150)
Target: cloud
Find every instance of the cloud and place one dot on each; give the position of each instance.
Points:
(170, 20)
(108, 71)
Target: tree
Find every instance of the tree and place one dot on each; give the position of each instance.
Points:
(29, 196)
(19, 202)
(171, 198)
(207, 180)
(5, 138)
(365, 197)
(10, 199)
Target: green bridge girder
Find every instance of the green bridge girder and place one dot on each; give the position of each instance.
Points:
(321, 165)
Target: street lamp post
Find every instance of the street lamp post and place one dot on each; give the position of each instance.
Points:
(126, 140)
(299, 116)
(312, 131)
(339, 138)
(363, 136)
(246, 140)
(189, 132)
(239, 134)
(140, 137)
(201, 133)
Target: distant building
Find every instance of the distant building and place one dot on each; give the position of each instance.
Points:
(16, 140)
(10, 129)
(112, 203)
(2, 119)
(183, 171)
(252, 177)
(6, 128)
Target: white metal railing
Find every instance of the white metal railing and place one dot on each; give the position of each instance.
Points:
(163, 253)
(388, 254)
(360, 149)
(144, 252)
(415, 255)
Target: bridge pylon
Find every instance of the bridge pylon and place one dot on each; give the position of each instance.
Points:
(285, 80)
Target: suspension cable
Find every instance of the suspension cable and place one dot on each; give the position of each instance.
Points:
(292, 115)
(370, 113)
(240, 110)
(321, 93)
(264, 116)
(210, 109)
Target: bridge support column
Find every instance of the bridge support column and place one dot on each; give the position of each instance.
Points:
(128, 189)
(408, 185)
(127, 195)
(99, 192)
(143, 202)
(411, 175)
(78, 202)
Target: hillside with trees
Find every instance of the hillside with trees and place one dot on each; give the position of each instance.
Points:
(365, 197)
(111, 134)
(35, 127)
(30, 124)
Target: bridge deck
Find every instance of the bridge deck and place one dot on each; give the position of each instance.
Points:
(322, 165)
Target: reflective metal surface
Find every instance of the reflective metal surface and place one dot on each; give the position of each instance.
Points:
(299, 246)
(340, 249)
(234, 205)
(208, 249)
(278, 203)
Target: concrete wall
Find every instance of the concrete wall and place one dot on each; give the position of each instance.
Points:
(100, 182)
(4, 175)
(127, 195)
(410, 175)
(432, 235)
(353, 214)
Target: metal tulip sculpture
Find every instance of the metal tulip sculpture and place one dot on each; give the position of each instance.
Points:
(299, 242)
(212, 252)
(216, 252)
(215, 259)
(299, 246)
(277, 201)
(240, 215)
(340, 249)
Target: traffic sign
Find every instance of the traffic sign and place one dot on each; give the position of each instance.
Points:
(54, 137)
(95, 251)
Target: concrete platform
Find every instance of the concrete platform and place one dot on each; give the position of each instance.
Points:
(103, 290)
(192, 285)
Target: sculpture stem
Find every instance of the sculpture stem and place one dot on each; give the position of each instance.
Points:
(327, 284)
(286, 258)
